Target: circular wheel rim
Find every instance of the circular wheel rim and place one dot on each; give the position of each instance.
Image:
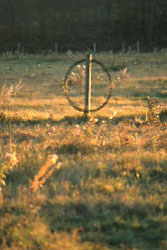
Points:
(65, 86)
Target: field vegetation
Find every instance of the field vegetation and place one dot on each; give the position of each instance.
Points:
(70, 183)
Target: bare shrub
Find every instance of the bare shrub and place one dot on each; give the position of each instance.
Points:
(7, 93)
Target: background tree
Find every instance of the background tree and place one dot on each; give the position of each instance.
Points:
(76, 24)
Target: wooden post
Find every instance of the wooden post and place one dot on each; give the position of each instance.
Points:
(138, 48)
(19, 47)
(123, 48)
(94, 48)
(88, 85)
(22, 50)
(56, 49)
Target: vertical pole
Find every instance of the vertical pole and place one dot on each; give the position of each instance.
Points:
(22, 50)
(138, 48)
(88, 85)
(19, 47)
(56, 49)
(123, 48)
(94, 48)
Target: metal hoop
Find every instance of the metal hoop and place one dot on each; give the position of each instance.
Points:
(65, 86)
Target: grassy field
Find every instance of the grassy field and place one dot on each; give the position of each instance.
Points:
(71, 184)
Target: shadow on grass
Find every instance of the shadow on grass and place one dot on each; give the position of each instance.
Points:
(112, 223)
(69, 120)
(96, 119)
(75, 148)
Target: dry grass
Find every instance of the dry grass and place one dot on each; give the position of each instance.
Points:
(45, 172)
(110, 191)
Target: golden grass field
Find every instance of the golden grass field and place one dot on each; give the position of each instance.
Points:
(70, 183)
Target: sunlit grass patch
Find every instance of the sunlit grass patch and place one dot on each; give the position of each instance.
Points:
(110, 192)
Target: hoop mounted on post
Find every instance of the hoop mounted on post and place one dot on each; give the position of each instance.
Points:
(67, 82)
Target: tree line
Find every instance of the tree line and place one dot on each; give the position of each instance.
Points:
(77, 24)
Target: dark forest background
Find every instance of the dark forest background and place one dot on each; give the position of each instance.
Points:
(77, 24)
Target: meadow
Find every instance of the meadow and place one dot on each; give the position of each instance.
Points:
(70, 183)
